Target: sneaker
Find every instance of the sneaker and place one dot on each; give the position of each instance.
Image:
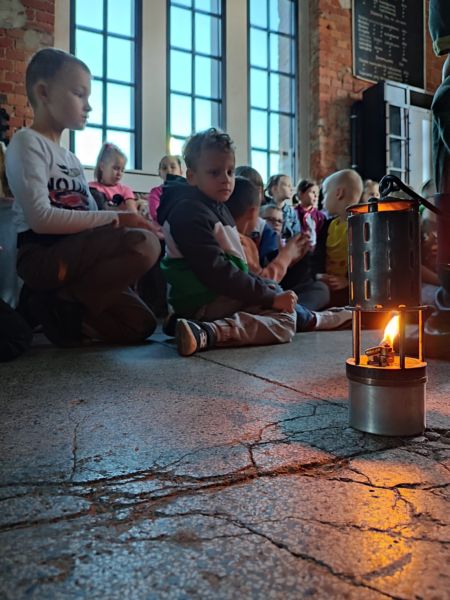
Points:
(333, 318)
(192, 336)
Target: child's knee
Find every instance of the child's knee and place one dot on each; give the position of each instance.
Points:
(288, 326)
(145, 245)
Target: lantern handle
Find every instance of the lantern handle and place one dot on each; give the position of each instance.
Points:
(391, 183)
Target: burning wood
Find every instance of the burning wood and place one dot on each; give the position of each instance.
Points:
(381, 356)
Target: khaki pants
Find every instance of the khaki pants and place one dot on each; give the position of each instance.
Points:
(95, 268)
(238, 325)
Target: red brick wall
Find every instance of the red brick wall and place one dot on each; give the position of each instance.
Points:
(334, 88)
(20, 36)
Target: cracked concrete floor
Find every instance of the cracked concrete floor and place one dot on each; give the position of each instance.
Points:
(134, 473)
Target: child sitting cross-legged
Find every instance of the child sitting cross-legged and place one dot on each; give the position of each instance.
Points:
(244, 205)
(217, 300)
(77, 262)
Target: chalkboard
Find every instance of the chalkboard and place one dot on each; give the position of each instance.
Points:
(388, 41)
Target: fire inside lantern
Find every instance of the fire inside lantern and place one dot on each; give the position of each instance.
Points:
(386, 387)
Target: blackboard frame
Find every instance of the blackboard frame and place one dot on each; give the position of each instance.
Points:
(419, 85)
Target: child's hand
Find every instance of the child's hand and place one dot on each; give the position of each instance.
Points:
(142, 207)
(296, 247)
(129, 219)
(285, 302)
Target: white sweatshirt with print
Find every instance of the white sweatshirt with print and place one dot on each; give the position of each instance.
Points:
(49, 187)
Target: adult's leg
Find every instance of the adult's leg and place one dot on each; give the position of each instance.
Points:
(437, 326)
(439, 24)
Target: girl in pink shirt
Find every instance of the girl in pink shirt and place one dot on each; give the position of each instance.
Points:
(168, 165)
(108, 172)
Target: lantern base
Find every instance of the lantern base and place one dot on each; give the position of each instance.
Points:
(387, 400)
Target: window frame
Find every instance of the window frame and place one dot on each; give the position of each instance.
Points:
(221, 57)
(135, 86)
(294, 76)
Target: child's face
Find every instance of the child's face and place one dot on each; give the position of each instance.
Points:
(112, 170)
(274, 218)
(371, 191)
(65, 99)
(169, 164)
(310, 197)
(283, 189)
(214, 174)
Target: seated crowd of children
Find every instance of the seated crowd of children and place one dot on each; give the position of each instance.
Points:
(245, 264)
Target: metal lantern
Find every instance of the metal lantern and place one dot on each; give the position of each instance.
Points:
(386, 387)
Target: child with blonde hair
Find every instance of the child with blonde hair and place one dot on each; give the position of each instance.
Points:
(371, 189)
(329, 260)
(108, 172)
(168, 166)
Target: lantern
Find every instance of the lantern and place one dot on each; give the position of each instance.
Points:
(386, 386)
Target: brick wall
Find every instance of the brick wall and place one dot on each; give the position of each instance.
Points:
(333, 86)
(25, 26)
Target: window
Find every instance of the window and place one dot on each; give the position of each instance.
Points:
(195, 68)
(105, 35)
(272, 54)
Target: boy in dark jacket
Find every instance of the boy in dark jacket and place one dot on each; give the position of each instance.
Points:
(219, 302)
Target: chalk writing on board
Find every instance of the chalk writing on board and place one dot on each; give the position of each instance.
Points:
(388, 40)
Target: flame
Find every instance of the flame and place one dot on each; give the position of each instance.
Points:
(391, 330)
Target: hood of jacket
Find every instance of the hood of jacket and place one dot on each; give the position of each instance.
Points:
(175, 189)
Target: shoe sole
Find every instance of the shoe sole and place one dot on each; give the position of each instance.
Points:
(186, 342)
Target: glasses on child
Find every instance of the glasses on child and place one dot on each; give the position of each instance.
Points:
(274, 220)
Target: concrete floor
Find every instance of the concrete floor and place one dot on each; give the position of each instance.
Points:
(134, 473)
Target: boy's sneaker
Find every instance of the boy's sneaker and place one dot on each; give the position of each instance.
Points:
(192, 336)
(333, 318)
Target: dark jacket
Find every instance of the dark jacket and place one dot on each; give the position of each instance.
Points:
(204, 257)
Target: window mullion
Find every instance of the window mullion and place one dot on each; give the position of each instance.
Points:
(105, 67)
(193, 127)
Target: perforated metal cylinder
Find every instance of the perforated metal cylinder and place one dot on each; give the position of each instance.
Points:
(384, 254)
